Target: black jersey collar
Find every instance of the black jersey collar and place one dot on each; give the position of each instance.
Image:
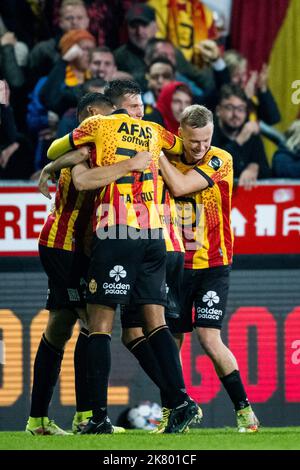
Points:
(120, 111)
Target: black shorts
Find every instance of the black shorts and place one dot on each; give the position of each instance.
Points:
(130, 315)
(128, 270)
(67, 275)
(207, 291)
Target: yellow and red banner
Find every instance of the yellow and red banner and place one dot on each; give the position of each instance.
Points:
(266, 32)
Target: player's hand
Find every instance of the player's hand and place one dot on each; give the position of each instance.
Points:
(46, 174)
(141, 161)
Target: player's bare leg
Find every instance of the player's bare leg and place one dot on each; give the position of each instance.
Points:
(227, 370)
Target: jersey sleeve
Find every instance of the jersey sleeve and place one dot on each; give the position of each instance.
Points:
(217, 168)
(169, 142)
(86, 132)
(59, 147)
(83, 134)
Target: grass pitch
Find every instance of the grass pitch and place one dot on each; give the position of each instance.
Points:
(196, 439)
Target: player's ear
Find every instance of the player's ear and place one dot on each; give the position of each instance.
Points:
(92, 110)
(89, 110)
(180, 132)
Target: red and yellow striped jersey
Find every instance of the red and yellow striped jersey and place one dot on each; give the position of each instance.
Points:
(68, 222)
(205, 215)
(169, 218)
(133, 199)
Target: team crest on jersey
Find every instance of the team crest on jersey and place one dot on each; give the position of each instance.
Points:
(92, 286)
(215, 163)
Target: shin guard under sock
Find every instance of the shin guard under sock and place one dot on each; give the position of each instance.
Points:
(234, 387)
(98, 369)
(46, 370)
(142, 350)
(80, 368)
(167, 355)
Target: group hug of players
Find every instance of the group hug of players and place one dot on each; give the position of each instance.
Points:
(116, 237)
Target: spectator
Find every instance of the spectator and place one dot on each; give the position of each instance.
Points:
(69, 120)
(141, 28)
(255, 84)
(93, 85)
(72, 15)
(160, 72)
(61, 91)
(286, 160)
(42, 125)
(13, 61)
(207, 96)
(13, 58)
(19, 18)
(106, 18)
(131, 56)
(102, 63)
(172, 101)
(157, 48)
(15, 150)
(240, 137)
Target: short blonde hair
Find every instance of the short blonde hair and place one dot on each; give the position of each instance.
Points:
(196, 116)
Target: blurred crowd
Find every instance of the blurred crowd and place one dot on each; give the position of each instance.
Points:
(53, 52)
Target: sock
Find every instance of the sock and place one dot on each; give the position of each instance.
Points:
(164, 400)
(142, 350)
(167, 355)
(45, 374)
(235, 389)
(80, 367)
(98, 369)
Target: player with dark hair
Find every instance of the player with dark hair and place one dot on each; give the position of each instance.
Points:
(62, 245)
(127, 207)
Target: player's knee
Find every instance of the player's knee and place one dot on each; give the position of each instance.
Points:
(130, 334)
(209, 340)
(60, 327)
(100, 318)
(58, 337)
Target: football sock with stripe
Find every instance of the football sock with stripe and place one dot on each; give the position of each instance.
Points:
(142, 350)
